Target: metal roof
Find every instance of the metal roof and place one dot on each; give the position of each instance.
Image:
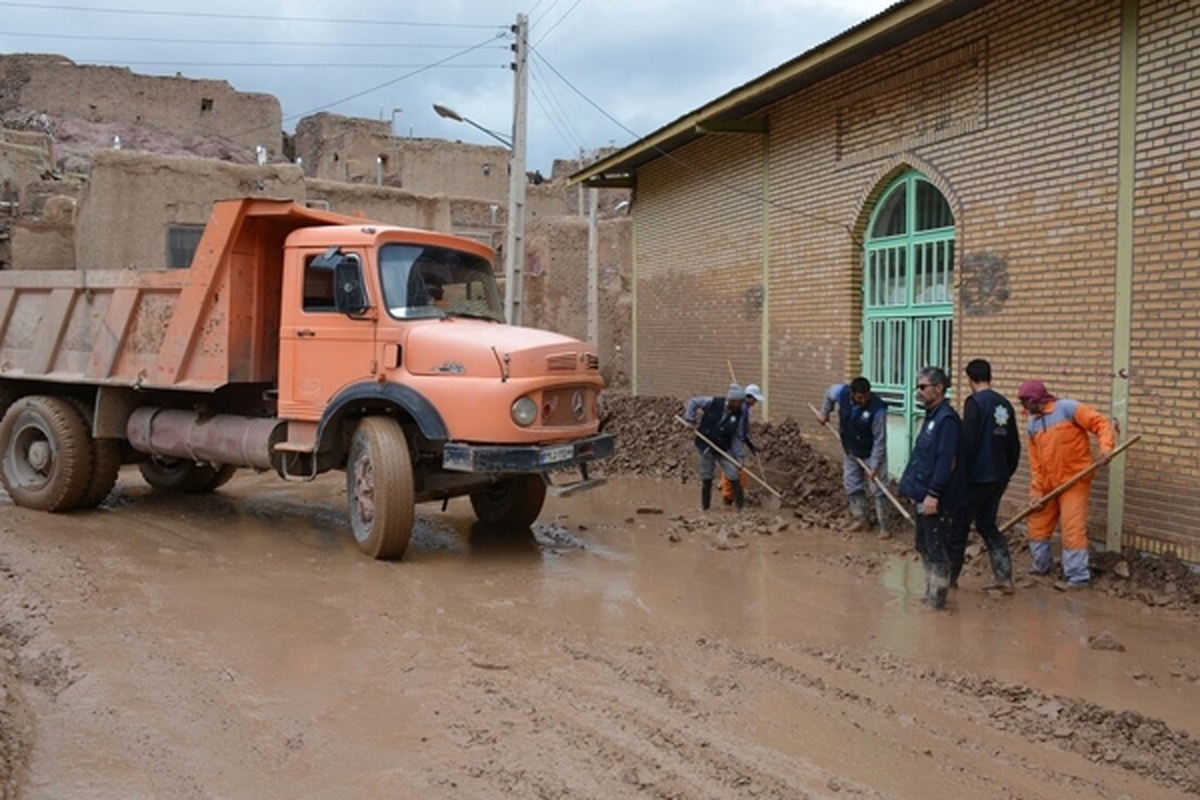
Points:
(888, 29)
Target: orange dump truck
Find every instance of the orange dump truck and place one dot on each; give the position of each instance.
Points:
(299, 341)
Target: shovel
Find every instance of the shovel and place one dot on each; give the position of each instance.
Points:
(728, 457)
(882, 486)
(1074, 479)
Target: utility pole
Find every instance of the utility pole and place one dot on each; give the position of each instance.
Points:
(514, 240)
(593, 271)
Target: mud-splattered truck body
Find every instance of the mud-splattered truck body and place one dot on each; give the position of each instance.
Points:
(299, 341)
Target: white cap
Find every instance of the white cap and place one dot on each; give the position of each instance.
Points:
(755, 391)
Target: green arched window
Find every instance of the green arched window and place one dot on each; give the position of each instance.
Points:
(908, 299)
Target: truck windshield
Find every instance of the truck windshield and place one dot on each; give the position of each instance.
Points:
(422, 282)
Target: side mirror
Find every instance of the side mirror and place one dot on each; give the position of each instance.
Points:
(349, 294)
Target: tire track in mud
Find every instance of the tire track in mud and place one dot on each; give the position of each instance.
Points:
(612, 717)
(625, 711)
(1000, 711)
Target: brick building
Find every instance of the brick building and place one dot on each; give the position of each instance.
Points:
(951, 179)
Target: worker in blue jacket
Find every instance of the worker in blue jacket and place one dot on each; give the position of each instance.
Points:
(933, 481)
(990, 453)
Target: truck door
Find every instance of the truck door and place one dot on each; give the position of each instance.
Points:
(321, 350)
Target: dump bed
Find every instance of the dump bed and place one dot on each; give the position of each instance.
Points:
(198, 329)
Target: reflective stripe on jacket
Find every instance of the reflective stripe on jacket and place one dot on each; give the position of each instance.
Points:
(1059, 447)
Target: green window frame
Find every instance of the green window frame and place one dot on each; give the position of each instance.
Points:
(908, 300)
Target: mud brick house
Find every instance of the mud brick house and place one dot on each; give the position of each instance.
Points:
(1013, 180)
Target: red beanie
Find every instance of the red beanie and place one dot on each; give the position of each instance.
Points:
(1034, 391)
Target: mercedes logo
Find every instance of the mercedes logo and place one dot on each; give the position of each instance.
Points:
(577, 406)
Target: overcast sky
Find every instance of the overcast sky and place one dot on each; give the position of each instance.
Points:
(602, 72)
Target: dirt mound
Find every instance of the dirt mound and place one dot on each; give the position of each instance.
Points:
(1157, 581)
(651, 442)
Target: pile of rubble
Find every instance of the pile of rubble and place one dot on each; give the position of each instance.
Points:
(652, 442)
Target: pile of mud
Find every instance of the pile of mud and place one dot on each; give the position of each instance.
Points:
(653, 443)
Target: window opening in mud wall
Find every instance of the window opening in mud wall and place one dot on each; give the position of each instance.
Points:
(908, 300)
(206, 105)
(182, 242)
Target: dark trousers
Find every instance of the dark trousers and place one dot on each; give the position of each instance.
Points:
(983, 502)
(933, 533)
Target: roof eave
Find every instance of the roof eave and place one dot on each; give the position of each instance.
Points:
(870, 38)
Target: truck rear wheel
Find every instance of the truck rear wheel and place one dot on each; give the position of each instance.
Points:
(510, 503)
(47, 458)
(379, 488)
(106, 461)
(184, 475)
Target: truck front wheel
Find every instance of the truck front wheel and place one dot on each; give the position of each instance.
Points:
(510, 503)
(379, 488)
(47, 462)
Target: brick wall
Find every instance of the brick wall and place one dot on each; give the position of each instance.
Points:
(1012, 112)
(1163, 497)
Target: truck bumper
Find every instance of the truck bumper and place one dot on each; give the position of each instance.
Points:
(462, 457)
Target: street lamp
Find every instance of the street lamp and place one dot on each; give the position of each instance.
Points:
(450, 113)
(514, 239)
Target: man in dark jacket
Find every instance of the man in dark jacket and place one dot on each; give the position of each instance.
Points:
(722, 420)
(990, 452)
(862, 424)
(933, 481)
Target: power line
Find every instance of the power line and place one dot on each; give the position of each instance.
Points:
(288, 65)
(732, 188)
(558, 22)
(235, 42)
(258, 17)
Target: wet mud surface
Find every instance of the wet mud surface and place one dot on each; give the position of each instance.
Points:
(238, 645)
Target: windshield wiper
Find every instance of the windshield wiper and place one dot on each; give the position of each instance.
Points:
(471, 315)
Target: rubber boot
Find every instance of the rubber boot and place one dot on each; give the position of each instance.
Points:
(1043, 560)
(705, 494)
(1076, 568)
(739, 495)
(858, 510)
(941, 588)
(881, 515)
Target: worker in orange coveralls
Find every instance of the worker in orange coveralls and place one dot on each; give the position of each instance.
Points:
(1059, 449)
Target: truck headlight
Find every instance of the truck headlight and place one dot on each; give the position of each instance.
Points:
(524, 412)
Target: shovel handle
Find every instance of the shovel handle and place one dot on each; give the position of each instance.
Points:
(728, 457)
(1067, 484)
(882, 486)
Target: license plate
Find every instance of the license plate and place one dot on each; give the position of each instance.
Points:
(552, 455)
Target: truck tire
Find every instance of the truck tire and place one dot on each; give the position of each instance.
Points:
(47, 459)
(379, 488)
(183, 475)
(512, 503)
(221, 476)
(106, 461)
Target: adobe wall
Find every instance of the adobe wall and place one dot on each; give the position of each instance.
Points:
(131, 198)
(183, 107)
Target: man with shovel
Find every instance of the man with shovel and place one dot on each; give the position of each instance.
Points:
(863, 428)
(723, 421)
(1059, 447)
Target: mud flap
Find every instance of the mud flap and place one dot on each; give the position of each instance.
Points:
(573, 487)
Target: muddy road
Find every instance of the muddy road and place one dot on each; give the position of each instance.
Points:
(238, 645)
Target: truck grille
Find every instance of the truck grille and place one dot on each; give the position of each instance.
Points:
(570, 406)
